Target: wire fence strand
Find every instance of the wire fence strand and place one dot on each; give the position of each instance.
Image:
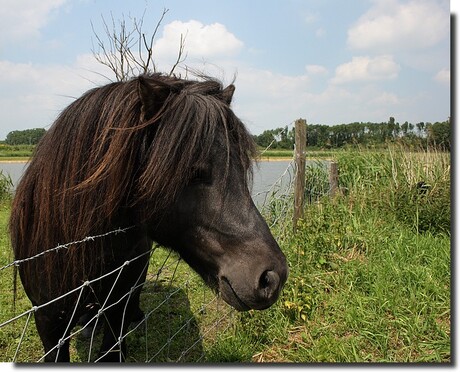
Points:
(163, 297)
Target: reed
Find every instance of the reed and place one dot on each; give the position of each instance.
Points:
(369, 276)
(369, 268)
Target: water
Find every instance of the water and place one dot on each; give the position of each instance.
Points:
(14, 170)
(266, 173)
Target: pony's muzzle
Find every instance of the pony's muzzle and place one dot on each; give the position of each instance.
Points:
(259, 293)
(269, 284)
(269, 287)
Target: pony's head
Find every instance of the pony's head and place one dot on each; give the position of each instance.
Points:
(202, 157)
(166, 155)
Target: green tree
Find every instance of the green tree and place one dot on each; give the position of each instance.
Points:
(439, 134)
(421, 128)
(319, 135)
(25, 137)
(391, 126)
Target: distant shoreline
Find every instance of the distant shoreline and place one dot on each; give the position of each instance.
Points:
(274, 158)
(263, 158)
(11, 161)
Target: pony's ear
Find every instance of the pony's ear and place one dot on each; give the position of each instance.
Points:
(152, 98)
(227, 93)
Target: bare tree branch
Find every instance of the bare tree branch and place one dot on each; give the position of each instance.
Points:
(129, 52)
(179, 59)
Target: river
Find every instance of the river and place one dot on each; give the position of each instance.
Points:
(266, 173)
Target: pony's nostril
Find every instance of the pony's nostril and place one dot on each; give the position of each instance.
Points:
(264, 280)
(268, 283)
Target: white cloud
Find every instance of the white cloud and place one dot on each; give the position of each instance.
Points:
(443, 76)
(392, 25)
(23, 19)
(53, 79)
(201, 41)
(264, 100)
(42, 91)
(315, 70)
(363, 69)
(385, 99)
(272, 84)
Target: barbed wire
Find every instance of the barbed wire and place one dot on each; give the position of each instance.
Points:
(66, 246)
(166, 265)
(85, 284)
(285, 129)
(277, 194)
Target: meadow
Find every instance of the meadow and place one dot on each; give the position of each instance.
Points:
(13, 153)
(370, 277)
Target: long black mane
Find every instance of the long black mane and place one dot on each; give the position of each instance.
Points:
(106, 156)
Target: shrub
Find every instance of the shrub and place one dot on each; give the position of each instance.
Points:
(427, 210)
(412, 185)
(6, 185)
(316, 181)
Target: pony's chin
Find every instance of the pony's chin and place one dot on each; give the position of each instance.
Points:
(229, 295)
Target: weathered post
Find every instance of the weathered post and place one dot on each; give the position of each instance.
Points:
(333, 179)
(300, 161)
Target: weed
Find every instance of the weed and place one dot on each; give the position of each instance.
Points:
(6, 186)
(369, 269)
(369, 275)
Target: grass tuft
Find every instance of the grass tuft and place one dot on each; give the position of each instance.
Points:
(369, 276)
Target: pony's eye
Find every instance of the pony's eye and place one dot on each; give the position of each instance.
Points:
(201, 176)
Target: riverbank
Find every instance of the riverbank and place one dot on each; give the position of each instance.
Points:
(23, 154)
(26, 160)
(270, 158)
(263, 158)
(9, 160)
(14, 160)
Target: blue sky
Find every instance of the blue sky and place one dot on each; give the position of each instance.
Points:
(329, 61)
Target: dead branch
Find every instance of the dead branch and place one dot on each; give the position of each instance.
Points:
(129, 52)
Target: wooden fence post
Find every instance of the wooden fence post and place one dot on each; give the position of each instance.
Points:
(333, 179)
(300, 161)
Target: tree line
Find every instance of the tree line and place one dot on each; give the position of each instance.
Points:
(321, 136)
(365, 134)
(25, 137)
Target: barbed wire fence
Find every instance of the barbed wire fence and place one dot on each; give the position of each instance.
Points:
(164, 296)
(182, 317)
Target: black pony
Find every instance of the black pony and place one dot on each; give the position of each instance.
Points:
(164, 157)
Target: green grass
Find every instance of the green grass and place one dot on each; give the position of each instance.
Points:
(289, 154)
(6, 187)
(184, 317)
(369, 269)
(14, 158)
(369, 278)
(15, 151)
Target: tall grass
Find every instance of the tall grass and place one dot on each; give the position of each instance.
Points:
(16, 151)
(413, 185)
(369, 269)
(6, 186)
(369, 274)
